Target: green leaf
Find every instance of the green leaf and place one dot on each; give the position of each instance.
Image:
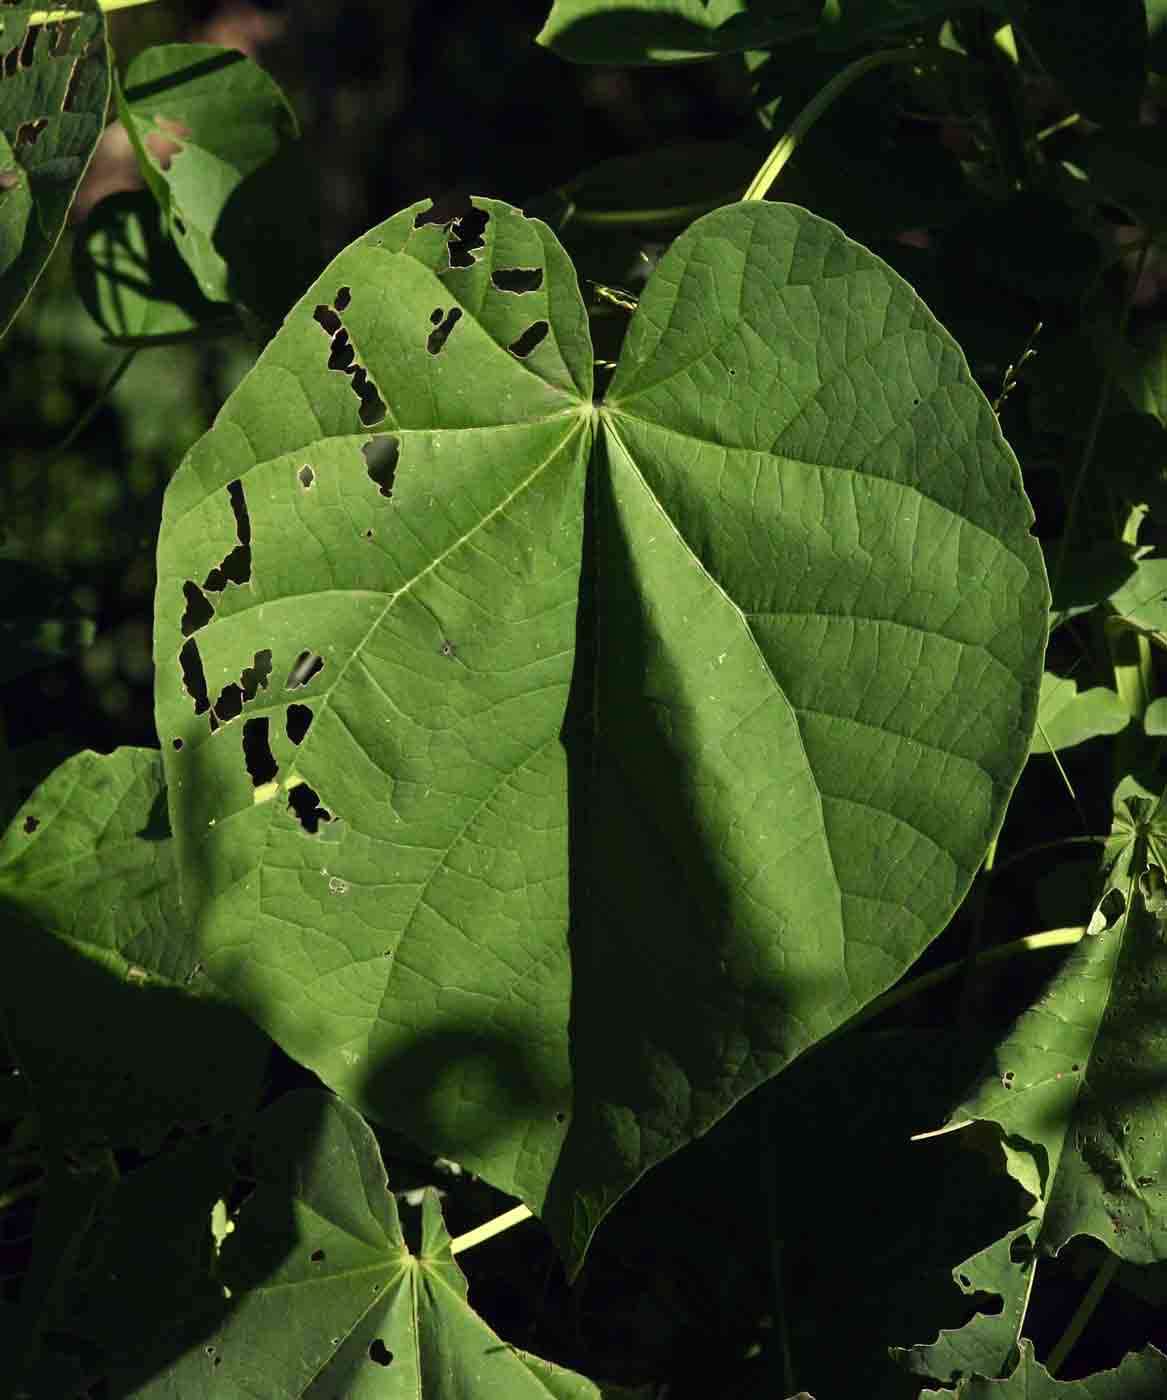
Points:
(671, 31)
(1079, 1077)
(1155, 718)
(849, 22)
(132, 281)
(101, 963)
(1067, 716)
(53, 97)
(602, 817)
(205, 121)
(1141, 601)
(1096, 49)
(325, 1297)
(1141, 1376)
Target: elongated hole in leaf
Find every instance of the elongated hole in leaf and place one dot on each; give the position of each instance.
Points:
(372, 408)
(198, 610)
(381, 454)
(343, 296)
(441, 333)
(436, 316)
(257, 754)
(306, 476)
(326, 317)
(27, 132)
(517, 279)
(341, 353)
(235, 567)
(379, 1352)
(255, 677)
(194, 679)
(444, 209)
(304, 804)
(534, 334)
(30, 824)
(229, 705)
(297, 722)
(466, 237)
(305, 666)
(28, 48)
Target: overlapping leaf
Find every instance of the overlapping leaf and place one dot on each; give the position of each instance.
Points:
(324, 1297)
(543, 832)
(1067, 716)
(101, 985)
(1082, 1077)
(54, 86)
(671, 31)
(205, 121)
(1142, 1376)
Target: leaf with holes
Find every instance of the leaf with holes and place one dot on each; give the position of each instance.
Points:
(1141, 1375)
(1080, 1078)
(552, 773)
(100, 963)
(326, 1298)
(205, 121)
(54, 86)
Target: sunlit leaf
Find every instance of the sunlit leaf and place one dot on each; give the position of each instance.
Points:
(547, 833)
(1067, 716)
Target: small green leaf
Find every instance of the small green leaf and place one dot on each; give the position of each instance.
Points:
(101, 963)
(1066, 716)
(53, 95)
(132, 281)
(671, 31)
(204, 121)
(1155, 719)
(1141, 600)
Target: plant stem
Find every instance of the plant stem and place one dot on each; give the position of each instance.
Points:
(57, 16)
(487, 1231)
(1083, 1313)
(825, 98)
(1031, 943)
(1018, 856)
(18, 1193)
(96, 406)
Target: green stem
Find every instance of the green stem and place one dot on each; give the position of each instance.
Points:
(1018, 856)
(918, 54)
(57, 16)
(1031, 943)
(487, 1231)
(1084, 1312)
(96, 406)
(18, 1193)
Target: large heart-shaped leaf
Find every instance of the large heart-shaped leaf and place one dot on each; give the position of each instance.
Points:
(546, 775)
(54, 86)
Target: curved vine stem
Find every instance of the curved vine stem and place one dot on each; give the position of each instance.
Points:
(96, 406)
(487, 1231)
(1083, 1313)
(917, 55)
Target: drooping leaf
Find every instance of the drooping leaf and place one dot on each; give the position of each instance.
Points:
(102, 993)
(1142, 1376)
(1097, 50)
(1082, 1076)
(671, 31)
(326, 1299)
(1067, 716)
(205, 122)
(545, 834)
(132, 281)
(54, 86)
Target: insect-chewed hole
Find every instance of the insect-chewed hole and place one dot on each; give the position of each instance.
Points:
(517, 279)
(441, 333)
(235, 567)
(198, 610)
(306, 476)
(379, 1352)
(343, 296)
(381, 454)
(307, 665)
(257, 754)
(297, 721)
(30, 824)
(176, 744)
(229, 705)
(317, 1256)
(254, 678)
(435, 316)
(341, 353)
(534, 335)
(327, 319)
(466, 237)
(304, 804)
(444, 209)
(194, 679)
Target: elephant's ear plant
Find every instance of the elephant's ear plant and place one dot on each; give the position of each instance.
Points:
(547, 767)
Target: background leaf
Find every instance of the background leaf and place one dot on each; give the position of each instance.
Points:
(205, 120)
(1067, 716)
(1141, 1376)
(53, 95)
